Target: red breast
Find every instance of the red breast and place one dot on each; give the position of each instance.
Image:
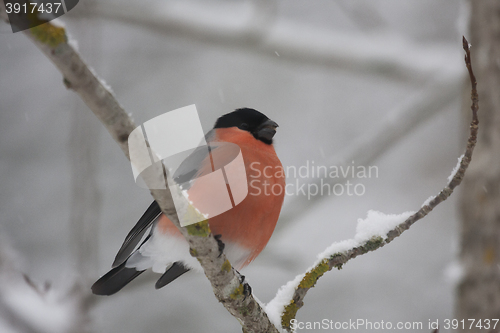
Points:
(251, 223)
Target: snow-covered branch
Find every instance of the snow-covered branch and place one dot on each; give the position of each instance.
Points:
(240, 27)
(372, 233)
(52, 40)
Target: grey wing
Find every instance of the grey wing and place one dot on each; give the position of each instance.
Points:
(190, 167)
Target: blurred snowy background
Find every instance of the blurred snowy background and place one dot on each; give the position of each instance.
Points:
(375, 82)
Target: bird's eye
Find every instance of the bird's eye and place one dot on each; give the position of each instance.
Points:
(243, 126)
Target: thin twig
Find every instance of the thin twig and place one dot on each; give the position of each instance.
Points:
(53, 42)
(338, 259)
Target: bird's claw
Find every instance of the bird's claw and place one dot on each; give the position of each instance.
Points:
(220, 243)
(247, 290)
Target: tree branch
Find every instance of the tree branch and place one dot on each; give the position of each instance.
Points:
(290, 297)
(228, 289)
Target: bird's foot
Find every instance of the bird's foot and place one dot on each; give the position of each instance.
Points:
(220, 243)
(247, 290)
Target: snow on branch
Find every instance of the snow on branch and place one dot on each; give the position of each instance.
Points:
(372, 233)
(53, 41)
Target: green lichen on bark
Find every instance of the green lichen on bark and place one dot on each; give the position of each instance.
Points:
(237, 293)
(337, 257)
(289, 314)
(374, 243)
(226, 266)
(313, 275)
(200, 229)
(49, 34)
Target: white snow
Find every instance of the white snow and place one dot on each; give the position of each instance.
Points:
(375, 224)
(455, 169)
(378, 224)
(275, 307)
(336, 248)
(428, 200)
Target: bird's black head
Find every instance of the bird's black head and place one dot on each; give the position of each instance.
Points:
(253, 121)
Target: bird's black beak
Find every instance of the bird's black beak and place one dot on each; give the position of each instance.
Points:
(266, 130)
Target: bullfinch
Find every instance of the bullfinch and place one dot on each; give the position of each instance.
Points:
(242, 231)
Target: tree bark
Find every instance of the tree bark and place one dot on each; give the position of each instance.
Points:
(478, 294)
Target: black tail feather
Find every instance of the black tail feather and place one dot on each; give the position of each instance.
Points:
(115, 280)
(176, 270)
(135, 235)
